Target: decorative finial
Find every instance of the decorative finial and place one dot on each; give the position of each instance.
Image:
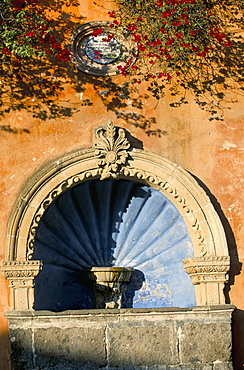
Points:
(111, 148)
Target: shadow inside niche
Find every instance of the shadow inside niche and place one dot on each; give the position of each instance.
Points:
(74, 233)
(129, 289)
(235, 264)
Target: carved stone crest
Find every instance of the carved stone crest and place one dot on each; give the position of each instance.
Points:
(111, 149)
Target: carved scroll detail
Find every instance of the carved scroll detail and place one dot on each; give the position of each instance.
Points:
(111, 148)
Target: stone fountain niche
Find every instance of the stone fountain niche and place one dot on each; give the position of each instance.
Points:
(112, 243)
(123, 273)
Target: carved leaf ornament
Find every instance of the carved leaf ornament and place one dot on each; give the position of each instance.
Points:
(111, 148)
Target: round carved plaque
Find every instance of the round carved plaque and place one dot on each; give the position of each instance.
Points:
(100, 54)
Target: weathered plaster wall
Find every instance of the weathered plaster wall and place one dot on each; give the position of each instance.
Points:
(211, 150)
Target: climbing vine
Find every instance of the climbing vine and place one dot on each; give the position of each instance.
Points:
(33, 55)
(187, 45)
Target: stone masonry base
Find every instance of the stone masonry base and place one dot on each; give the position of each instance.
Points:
(196, 338)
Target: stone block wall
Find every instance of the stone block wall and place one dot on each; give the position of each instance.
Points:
(196, 338)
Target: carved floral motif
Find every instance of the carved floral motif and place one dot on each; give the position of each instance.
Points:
(111, 148)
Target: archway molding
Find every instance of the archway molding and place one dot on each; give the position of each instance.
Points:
(112, 156)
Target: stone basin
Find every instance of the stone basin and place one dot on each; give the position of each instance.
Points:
(109, 275)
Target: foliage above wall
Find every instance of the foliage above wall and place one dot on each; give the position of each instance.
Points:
(33, 58)
(183, 46)
(27, 31)
(191, 45)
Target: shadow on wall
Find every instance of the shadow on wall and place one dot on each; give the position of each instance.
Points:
(235, 264)
(235, 269)
(4, 352)
(50, 88)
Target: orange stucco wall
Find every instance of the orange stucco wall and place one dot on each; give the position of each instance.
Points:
(210, 150)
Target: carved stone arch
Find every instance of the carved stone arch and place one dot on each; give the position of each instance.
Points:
(112, 156)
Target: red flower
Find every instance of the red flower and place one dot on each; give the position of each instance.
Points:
(178, 23)
(30, 34)
(97, 31)
(179, 35)
(112, 14)
(132, 27)
(166, 14)
(109, 38)
(141, 47)
(164, 50)
(160, 75)
(136, 38)
(157, 42)
(6, 51)
(228, 44)
(64, 56)
(170, 41)
(159, 4)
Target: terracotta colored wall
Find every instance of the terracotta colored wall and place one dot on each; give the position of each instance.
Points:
(211, 150)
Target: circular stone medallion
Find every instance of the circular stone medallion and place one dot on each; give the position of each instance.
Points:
(101, 54)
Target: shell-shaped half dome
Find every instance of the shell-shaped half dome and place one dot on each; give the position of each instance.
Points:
(113, 223)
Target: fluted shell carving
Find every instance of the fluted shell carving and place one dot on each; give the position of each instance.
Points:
(117, 223)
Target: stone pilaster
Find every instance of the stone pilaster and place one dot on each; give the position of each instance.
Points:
(209, 275)
(21, 275)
